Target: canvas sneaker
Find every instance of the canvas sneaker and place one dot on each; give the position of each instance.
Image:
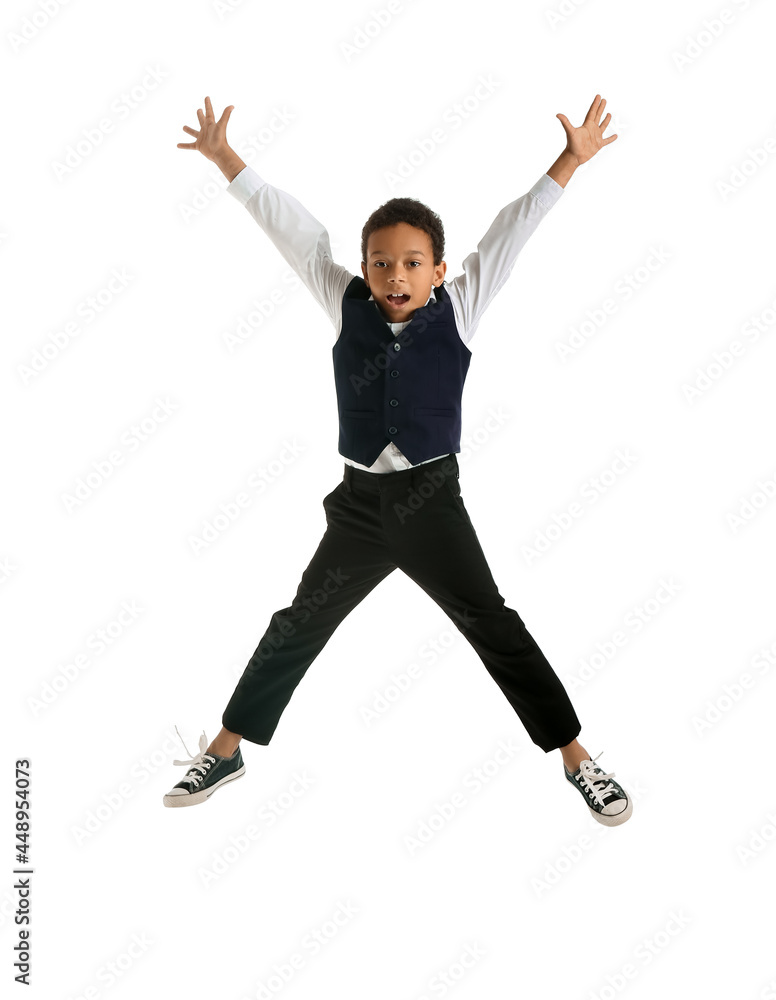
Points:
(606, 799)
(207, 772)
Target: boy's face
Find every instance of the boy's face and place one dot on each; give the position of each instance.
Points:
(400, 262)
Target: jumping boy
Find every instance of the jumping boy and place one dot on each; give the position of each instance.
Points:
(400, 361)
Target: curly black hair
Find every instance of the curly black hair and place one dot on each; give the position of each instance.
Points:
(414, 213)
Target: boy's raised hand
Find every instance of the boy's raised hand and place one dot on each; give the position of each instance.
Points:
(211, 138)
(585, 141)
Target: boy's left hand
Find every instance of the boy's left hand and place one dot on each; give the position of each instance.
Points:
(585, 141)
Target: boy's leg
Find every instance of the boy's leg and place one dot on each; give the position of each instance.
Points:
(438, 548)
(351, 559)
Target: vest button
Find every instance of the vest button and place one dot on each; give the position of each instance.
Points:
(397, 347)
(394, 373)
(393, 430)
(394, 402)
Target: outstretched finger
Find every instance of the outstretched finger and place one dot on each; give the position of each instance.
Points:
(208, 108)
(225, 116)
(191, 131)
(593, 109)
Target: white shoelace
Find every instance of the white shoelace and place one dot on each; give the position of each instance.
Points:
(588, 775)
(200, 764)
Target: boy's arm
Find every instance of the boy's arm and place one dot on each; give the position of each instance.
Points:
(301, 239)
(486, 270)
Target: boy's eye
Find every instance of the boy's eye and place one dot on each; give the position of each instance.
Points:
(379, 263)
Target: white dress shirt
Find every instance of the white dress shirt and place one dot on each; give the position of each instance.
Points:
(304, 243)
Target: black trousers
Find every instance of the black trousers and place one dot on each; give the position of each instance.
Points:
(414, 520)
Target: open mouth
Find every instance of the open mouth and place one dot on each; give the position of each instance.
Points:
(398, 300)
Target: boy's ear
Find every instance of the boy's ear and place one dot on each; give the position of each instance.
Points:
(363, 272)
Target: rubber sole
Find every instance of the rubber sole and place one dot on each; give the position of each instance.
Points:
(606, 820)
(194, 798)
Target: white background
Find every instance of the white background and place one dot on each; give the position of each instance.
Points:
(550, 903)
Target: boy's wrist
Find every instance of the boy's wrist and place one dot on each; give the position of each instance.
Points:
(229, 163)
(562, 169)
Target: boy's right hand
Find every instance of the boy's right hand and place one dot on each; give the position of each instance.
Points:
(211, 137)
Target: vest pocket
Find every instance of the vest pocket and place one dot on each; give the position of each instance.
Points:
(359, 413)
(425, 411)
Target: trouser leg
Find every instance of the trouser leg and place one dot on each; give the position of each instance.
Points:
(351, 559)
(437, 547)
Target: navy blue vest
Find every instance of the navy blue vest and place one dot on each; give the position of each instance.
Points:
(405, 388)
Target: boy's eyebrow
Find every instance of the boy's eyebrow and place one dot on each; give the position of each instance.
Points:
(383, 253)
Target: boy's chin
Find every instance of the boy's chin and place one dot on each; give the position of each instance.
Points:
(392, 317)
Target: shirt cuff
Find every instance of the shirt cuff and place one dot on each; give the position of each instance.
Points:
(245, 184)
(547, 191)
